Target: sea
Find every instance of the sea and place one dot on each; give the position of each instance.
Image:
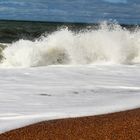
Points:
(66, 64)
(69, 32)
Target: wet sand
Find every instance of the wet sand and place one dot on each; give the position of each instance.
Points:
(116, 126)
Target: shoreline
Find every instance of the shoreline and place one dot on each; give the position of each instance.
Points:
(123, 125)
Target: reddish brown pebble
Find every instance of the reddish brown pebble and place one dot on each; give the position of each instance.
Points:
(116, 126)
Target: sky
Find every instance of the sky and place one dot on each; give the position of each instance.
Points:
(85, 11)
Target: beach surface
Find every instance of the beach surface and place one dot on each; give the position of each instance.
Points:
(115, 126)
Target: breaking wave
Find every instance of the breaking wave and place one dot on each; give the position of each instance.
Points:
(109, 44)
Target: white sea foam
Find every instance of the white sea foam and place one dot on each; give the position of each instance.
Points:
(31, 95)
(108, 44)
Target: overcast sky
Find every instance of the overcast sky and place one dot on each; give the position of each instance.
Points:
(124, 11)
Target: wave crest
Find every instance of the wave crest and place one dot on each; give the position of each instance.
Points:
(108, 44)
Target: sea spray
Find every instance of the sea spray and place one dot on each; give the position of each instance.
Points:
(109, 44)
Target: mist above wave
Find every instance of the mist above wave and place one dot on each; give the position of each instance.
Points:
(109, 44)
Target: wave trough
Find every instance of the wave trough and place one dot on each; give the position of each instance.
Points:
(109, 44)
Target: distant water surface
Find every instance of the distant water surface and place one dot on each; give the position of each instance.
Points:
(85, 11)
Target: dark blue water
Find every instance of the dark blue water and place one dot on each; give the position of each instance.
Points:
(85, 11)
